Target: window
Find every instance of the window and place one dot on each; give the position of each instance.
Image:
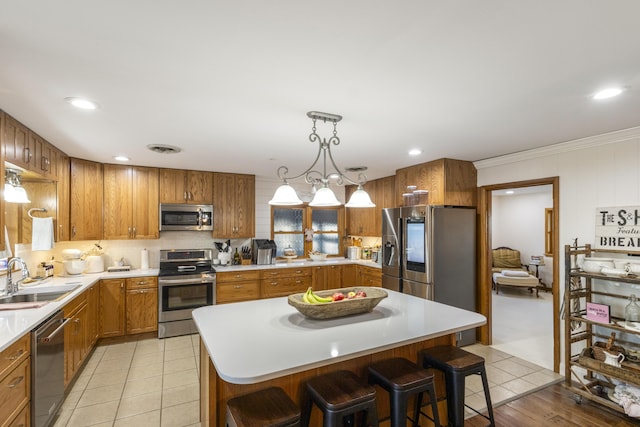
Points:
(290, 226)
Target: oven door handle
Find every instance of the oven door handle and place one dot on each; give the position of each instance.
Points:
(182, 281)
(182, 268)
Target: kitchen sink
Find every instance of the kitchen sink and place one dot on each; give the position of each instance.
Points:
(49, 293)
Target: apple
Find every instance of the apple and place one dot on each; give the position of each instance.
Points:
(338, 296)
(351, 295)
(361, 294)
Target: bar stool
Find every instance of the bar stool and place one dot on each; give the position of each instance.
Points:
(402, 379)
(338, 395)
(457, 364)
(265, 408)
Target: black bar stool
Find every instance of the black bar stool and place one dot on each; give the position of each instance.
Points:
(402, 379)
(338, 395)
(457, 364)
(265, 408)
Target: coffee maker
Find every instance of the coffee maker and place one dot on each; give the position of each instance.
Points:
(263, 251)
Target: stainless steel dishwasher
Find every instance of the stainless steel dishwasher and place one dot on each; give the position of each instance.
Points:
(47, 369)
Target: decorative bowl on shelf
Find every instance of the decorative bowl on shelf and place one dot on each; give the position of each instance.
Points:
(317, 256)
(345, 307)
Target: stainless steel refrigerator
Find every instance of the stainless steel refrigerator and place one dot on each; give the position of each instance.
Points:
(430, 252)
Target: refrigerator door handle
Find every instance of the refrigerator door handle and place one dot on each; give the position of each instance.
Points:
(392, 248)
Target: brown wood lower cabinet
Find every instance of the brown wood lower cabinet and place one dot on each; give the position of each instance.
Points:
(142, 305)
(128, 306)
(78, 339)
(234, 286)
(15, 383)
(280, 282)
(112, 301)
(369, 276)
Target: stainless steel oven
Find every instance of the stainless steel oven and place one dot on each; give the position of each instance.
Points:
(186, 281)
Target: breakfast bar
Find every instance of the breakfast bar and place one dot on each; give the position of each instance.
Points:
(252, 345)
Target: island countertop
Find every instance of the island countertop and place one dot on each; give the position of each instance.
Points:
(254, 341)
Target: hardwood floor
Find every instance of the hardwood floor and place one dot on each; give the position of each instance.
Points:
(553, 406)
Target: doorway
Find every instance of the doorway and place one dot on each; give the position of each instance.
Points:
(485, 301)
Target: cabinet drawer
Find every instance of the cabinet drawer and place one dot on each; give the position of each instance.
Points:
(283, 286)
(23, 418)
(237, 291)
(286, 272)
(13, 355)
(237, 276)
(15, 389)
(141, 282)
(75, 304)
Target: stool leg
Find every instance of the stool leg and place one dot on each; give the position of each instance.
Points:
(434, 405)
(398, 409)
(305, 415)
(455, 399)
(485, 386)
(416, 412)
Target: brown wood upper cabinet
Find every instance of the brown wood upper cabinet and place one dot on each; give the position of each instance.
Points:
(234, 205)
(449, 182)
(63, 197)
(184, 186)
(130, 202)
(28, 150)
(86, 200)
(368, 221)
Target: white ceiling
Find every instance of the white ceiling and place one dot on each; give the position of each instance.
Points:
(231, 82)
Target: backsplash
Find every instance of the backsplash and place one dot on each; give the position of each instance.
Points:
(130, 250)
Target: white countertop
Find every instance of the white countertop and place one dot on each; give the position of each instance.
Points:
(298, 262)
(255, 341)
(16, 323)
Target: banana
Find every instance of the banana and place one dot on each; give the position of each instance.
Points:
(320, 299)
(305, 297)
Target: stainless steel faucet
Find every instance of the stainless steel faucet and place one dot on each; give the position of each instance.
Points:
(11, 286)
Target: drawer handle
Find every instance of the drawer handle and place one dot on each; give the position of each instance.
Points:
(238, 276)
(16, 355)
(238, 286)
(16, 381)
(274, 283)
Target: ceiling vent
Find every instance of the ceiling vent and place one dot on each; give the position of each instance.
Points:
(164, 149)
(356, 169)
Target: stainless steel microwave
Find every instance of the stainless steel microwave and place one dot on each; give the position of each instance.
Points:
(186, 217)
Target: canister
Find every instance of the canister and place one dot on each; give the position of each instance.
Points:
(353, 252)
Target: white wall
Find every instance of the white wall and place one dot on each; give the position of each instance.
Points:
(599, 171)
(517, 221)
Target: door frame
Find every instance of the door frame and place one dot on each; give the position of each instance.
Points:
(485, 261)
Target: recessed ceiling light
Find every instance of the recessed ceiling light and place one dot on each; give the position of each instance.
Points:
(83, 104)
(608, 93)
(509, 192)
(121, 158)
(415, 152)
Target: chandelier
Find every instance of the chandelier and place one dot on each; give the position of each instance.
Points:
(14, 192)
(285, 195)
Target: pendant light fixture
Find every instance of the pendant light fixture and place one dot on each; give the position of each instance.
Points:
(14, 192)
(285, 195)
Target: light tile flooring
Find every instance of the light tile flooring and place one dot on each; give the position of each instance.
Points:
(148, 382)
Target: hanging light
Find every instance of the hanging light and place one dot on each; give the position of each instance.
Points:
(324, 196)
(14, 192)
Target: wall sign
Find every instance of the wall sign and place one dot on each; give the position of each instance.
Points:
(618, 228)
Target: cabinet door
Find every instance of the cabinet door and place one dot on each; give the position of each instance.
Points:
(63, 188)
(112, 300)
(145, 211)
(118, 199)
(245, 206)
(16, 142)
(93, 316)
(319, 278)
(86, 200)
(172, 186)
(199, 188)
(3, 119)
(142, 310)
(349, 275)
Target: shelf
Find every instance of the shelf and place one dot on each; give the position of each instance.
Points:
(635, 280)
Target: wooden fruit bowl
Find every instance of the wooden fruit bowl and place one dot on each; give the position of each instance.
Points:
(345, 307)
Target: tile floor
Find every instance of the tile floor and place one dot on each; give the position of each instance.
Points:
(509, 377)
(148, 382)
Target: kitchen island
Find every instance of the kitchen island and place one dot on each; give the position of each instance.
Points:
(251, 345)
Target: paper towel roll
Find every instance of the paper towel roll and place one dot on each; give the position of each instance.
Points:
(144, 259)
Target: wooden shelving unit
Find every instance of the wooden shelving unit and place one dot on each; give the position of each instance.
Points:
(586, 376)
